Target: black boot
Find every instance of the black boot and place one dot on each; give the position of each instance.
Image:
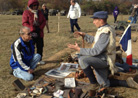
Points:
(131, 83)
(11, 72)
(115, 82)
(94, 85)
(89, 73)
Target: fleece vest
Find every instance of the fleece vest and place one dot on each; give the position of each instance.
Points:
(111, 48)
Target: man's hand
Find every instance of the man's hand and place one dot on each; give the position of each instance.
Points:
(75, 47)
(77, 34)
(30, 71)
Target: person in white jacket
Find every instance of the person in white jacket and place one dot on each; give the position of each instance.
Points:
(74, 13)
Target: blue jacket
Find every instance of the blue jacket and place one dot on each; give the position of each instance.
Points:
(21, 54)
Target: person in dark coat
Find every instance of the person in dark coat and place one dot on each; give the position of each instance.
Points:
(115, 13)
(45, 12)
(35, 20)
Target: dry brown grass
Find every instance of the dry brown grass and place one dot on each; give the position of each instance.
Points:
(54, 42)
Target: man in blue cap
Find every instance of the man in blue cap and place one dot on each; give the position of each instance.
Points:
(97, 60)
(100, 58)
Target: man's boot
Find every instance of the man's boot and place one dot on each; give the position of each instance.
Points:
(89, 73)
(94, 85)
(90, 87)
(11, 72)
(131, 83)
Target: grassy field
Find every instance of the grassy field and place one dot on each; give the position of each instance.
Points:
(53, 43)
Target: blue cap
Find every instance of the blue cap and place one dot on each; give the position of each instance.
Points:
(100, 14)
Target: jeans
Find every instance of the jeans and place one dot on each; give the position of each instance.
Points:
(134, 19)
(74, 22)
(99, 66)
(25, 75)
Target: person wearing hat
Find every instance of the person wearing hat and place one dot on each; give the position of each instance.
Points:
(97, 60)
(34, 19)
(45, 12)
(100, 58)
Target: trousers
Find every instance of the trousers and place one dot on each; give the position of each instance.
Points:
(73, 22)
(25, 75)
(39, 42)
(134, 19)
(100, 68)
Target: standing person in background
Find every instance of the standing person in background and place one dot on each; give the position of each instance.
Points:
(134, 13)
(115, 13)
(34, 19)
(45, 12)
(74, 13)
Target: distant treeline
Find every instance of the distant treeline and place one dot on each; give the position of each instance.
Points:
(87, 6)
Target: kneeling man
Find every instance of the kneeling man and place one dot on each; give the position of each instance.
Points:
(23, 60)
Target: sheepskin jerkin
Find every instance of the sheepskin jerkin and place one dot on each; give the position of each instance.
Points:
(111, 48)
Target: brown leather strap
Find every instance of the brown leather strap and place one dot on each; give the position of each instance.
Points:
(69, 94)
(83, 43)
